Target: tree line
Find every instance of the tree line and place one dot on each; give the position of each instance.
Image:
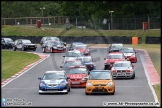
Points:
(89, 9)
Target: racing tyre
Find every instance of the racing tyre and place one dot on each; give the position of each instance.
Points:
(69, 89)
(23, 49)
(51, 50)
(86, 93)
(133, 76)
(44, 50)
(14, 49)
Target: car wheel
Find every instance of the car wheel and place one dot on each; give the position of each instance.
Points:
(51, 50)
(86, 93)
(14, 49)
(34, 49)
(44, 50)
(133, 76)
(23, 49)
(69, 89)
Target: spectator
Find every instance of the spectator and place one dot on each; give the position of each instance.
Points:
(104, 23)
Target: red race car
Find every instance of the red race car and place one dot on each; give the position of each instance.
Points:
(53, 46)
(77, 75)
(83, 48)
(130, 53)
(111, 58)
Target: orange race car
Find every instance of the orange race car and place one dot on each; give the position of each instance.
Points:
(100, 81)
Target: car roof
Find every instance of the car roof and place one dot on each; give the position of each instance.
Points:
(73, 60)
(122, 61)
(54, 71)
(127, 47)
(101, 71)
(80, 45)
(77, 66)
(76, 51)
(115, 53)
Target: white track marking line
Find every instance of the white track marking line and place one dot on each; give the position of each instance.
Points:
(25, 71)
(151, 87)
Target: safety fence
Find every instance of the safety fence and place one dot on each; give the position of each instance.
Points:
(112, 23)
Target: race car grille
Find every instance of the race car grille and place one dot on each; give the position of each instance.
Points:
(52, 84)
(120, 70)
(99, 84)
(52, 89)
(75, 79)
(99, 90)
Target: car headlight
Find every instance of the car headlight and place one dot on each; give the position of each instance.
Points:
(89, 84)
(64, 47)
(133, 55)
(42, 84)
(110, 84)
(55, 47)
(63, 84)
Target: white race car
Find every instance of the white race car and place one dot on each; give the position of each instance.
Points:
(72, 55)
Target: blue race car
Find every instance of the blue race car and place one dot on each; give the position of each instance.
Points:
(89, 62)
(73, 44)
(54, 82)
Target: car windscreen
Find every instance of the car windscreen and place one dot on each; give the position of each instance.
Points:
(8, 39)
(54, 38)
(50, 76)
(72, 63)
(56, 43)
(100, 75)
(87, 59)
(73, 54)
(121, 65)
(76, 71)
(115, 56)
(81, 47)
(116, 45)
(26, 41)
(127, 50)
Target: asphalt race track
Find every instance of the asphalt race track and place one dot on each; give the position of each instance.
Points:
(26, 86)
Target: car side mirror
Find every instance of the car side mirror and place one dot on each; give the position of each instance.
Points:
(110, 66)
(104, 58)
(135, 51)
(133, 65)
(60, 66)
(40, 78)
(63, 56)
(68, 77)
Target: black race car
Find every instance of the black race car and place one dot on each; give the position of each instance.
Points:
(6, 43)
(48, 38)
(24, 44)
(115, 47)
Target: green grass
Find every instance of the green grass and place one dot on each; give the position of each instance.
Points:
(13, 62)
(59, 30)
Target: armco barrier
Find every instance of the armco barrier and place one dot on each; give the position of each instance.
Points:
(153, 40)
(84, 39)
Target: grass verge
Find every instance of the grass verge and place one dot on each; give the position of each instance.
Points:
(13, 62)
(61, 31)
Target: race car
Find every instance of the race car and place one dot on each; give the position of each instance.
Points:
(100, 81)
(54, 46)
(77, 75)
(71, 55)
(130, 53)
(6, 43)
(54, 82)
(83, 48)
(122, 69)
(111, 58)
(24, 44)
(89, 62)
(73, 44)
(47, 38)
(69, 63)
(115, 47)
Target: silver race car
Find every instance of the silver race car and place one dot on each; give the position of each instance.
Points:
(123, 69)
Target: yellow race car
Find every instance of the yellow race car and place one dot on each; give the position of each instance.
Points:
(100, 81)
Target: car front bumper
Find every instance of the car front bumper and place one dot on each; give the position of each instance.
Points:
(100, 89)
(122, 75)
(54, 91)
